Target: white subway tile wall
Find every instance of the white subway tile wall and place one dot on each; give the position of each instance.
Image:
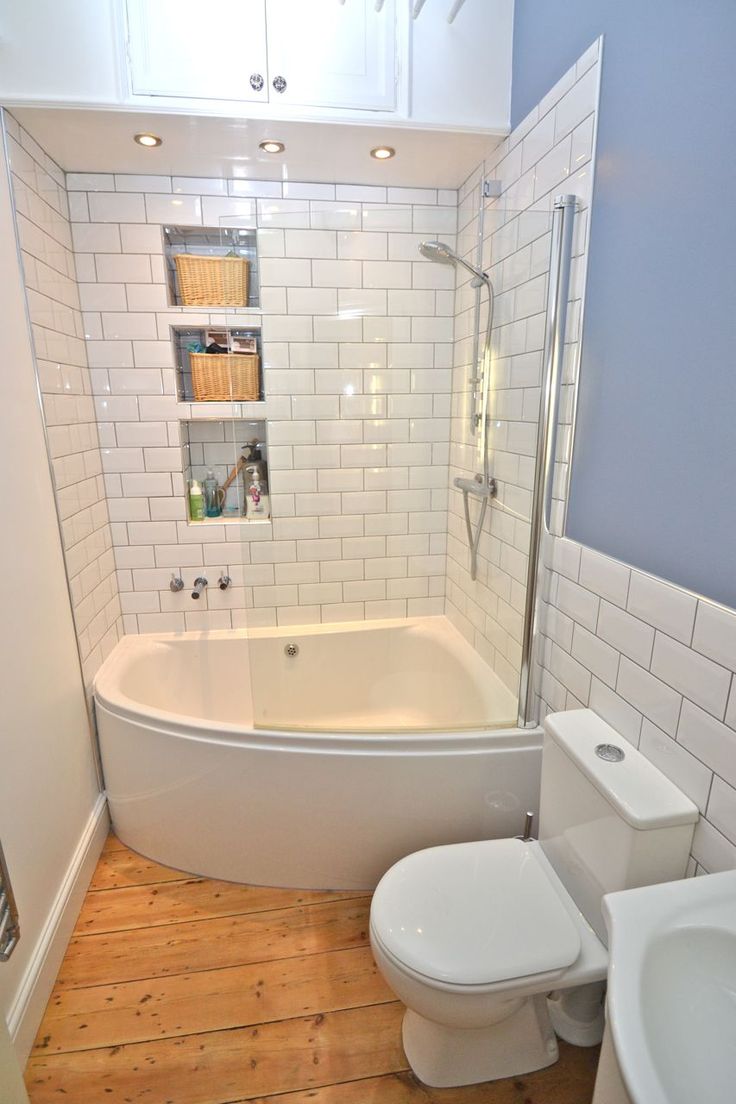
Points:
(357, 346)
(536, 161)
(658, 665)
(652, 659)
(45, 237)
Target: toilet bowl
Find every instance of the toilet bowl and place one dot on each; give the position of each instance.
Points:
(476, 992)
(497, 945)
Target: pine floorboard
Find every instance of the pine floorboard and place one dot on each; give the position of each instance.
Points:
(183, 990)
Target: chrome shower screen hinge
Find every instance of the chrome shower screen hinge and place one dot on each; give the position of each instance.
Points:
(492, 189)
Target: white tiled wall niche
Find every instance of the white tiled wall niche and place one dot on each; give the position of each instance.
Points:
(217, 447)
(184, 337)
(212, 241)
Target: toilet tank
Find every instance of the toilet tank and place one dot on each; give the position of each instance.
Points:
(608, 818)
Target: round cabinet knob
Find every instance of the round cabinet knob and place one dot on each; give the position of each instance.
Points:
(279, 84)
(256, 82)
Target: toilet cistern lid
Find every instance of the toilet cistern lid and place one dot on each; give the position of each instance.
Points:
(474, 914)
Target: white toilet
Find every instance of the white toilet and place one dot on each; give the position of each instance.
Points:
(494, 945)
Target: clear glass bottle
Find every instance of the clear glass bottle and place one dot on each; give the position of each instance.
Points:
(213, 495)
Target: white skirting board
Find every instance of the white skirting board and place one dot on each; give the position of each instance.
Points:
(35, 988)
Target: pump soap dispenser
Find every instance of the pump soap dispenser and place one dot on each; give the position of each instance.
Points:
(257, 499)
(196, 501)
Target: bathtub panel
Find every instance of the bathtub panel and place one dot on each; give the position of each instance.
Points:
(272, 809)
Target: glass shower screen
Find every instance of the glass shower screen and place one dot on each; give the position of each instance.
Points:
(353, 376)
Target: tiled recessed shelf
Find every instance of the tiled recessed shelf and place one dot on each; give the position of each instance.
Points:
(212, 241)
(234, 338)
(220, 446)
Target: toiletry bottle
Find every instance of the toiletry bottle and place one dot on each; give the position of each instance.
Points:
(212, 495)
(196, 501)
(257, 500)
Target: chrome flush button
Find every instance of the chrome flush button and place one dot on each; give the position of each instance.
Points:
(610, 752)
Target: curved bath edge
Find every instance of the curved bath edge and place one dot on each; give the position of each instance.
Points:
(205, 779)
(308, 817)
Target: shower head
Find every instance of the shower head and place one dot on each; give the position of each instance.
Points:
(440, 252)
(437, 251)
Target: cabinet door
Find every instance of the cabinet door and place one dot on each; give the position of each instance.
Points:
(198, 49)
(328, 53)
(59, 53)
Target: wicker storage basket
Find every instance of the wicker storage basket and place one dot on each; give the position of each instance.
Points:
(212, 281)
(220, 377)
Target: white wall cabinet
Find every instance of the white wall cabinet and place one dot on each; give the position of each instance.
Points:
(303, 53)
(356, 60)
(327, 54)
(461, 72)
(198, 49)
(55, 52)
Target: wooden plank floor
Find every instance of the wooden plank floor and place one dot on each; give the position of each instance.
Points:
(182, 990)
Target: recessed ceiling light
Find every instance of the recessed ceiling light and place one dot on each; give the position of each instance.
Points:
(149, 140)
(382, 153)
(270, 146)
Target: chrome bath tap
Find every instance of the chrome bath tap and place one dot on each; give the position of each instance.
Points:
(199, 584)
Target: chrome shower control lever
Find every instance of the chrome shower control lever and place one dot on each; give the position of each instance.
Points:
(476, 486)
(224, 581)
(199, 584)
(176, 584)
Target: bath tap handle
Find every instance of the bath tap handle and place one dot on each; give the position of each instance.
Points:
(176, 584)
(526, 835)
(199, 584)
(224, 581)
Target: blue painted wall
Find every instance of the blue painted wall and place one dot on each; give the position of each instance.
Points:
(654, 474)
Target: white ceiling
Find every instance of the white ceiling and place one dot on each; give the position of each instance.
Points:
(102, 141)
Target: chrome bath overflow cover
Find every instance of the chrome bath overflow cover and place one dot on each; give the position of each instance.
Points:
(291, 649)
(610, 752)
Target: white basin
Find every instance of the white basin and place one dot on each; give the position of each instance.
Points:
(672, 989)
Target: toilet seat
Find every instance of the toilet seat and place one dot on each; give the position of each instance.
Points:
(474, 915)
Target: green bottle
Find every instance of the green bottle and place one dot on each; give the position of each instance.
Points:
(196, 501)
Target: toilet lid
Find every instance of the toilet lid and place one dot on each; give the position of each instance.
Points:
(474, 914)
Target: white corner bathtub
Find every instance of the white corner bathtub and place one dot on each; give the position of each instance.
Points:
(374, 740)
